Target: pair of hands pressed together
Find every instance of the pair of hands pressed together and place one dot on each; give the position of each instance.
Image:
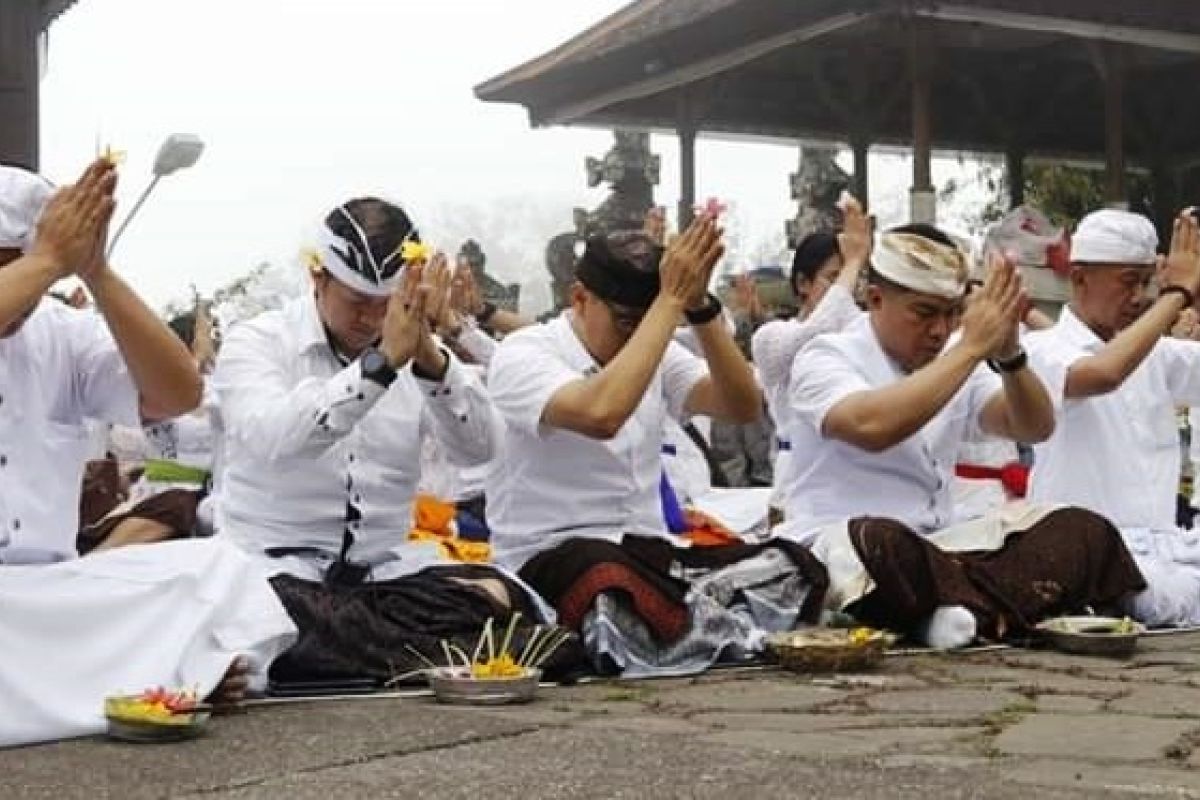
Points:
(72, 233)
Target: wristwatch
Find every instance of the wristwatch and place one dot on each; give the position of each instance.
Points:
(375, 367)
(705, 313)
(1012, 364)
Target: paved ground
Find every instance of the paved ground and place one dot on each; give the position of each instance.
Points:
(990, 725)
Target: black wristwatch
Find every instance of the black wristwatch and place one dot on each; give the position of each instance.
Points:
(1017, 362)
(705, 313)
(375, 367)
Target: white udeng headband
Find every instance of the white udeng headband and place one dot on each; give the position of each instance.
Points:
(23, 196)
(327, 254)
(920, 265)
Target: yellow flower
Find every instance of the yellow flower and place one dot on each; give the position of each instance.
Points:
(860, 636)
(114, 157)
(312, 259)
(499, 667)
(415, 252)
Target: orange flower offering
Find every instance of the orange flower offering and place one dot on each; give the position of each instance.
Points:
(156, 705)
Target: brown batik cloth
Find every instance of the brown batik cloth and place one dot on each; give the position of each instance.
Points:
(174, 508)
(366, 630)
(1070, 560)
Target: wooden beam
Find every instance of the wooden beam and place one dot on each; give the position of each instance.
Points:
(921, 76)
(861, 146)
(686, 129)
(705, 68)
(1114, 125)
(1014, 172)
(1080, 29)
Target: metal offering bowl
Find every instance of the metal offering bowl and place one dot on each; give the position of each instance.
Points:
(456, 685)
(1092, 636)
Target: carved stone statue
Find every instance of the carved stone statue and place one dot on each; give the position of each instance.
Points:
(816, 186)
(560, 263)
(632, 172)
(507, 297)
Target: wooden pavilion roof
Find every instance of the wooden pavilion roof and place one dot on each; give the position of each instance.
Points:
(1023, 74)
(53, 9)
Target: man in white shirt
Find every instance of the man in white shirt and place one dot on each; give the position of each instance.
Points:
(881, 409)
(825, 274)
(180, 614)
(574, 501)
(1117, 378)
(325, 404)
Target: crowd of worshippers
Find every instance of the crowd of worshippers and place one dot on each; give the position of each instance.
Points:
(387, 462)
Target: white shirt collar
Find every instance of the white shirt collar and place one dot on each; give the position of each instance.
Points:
(575, 352)
(1076, 331)
(311, 331)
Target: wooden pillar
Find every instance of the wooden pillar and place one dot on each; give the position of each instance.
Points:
(861, 146)
(1014, 171)
(1168, 187)
(20, 26)
(686, 128)
(1113, 74)
(923, 201)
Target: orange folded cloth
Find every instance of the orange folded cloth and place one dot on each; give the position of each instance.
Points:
(707, 531)
(433, 522)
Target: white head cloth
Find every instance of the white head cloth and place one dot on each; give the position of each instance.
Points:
(23, 196)
(1111, 236)
(921, 265)
(334, 254)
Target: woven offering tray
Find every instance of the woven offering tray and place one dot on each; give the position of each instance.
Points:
(1092, 636)
(829, 649)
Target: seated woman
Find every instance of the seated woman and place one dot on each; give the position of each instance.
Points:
(574, 502)
(74, 630)
(326, 403)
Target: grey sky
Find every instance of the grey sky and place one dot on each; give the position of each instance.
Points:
(303, 103)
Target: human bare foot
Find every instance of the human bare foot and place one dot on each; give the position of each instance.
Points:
(231, 691)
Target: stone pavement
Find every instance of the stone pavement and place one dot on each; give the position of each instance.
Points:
(998, 724)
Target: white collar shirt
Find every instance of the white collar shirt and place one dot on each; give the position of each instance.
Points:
(315, 451)
(1117, 454)
(549, 484)
(774, 347)
(60, 369)
(835, 481)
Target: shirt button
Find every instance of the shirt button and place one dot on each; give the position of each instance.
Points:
(16, 524)
(3, 461)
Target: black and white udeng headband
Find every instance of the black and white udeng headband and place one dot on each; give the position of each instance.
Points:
(352, 263)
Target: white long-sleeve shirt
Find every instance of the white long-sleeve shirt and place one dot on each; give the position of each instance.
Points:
(314, 449)
(552, 484)
(60, 369)
(1117, 454)
(910, 481)
(774, 348)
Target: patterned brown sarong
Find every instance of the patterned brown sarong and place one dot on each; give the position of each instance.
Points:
(366, 630)
(174, 508)
(1070, 560)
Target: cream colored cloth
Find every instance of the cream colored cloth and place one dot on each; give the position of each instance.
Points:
(921, 265)
(174, 614)
(848, 578)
